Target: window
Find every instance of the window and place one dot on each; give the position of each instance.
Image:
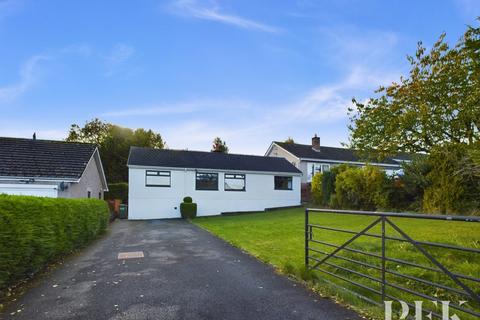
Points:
(315, 167)
(89, 194)
(100, 195)
(157, 178)
(283, 183)
(234, 182)
(206, 181)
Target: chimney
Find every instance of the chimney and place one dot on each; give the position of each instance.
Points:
(316, 143)
(34, 136)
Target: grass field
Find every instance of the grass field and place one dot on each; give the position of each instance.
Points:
(277, 237)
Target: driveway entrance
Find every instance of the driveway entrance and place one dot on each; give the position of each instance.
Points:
(185, 273)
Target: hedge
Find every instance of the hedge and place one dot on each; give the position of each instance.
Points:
(117, 191)
(35, 231)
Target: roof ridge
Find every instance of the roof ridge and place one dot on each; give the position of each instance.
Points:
(49, 140)
(200, 151)
(309, 145)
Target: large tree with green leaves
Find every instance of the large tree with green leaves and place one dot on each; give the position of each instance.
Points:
(114, 143)
(435, 110)
(437, 104)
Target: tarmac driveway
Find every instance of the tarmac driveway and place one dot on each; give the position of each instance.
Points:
(186, 274)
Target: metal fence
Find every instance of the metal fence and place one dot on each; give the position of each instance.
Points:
(325, 261)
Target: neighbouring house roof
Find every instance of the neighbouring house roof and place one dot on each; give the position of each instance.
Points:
(207, 160)
(29, 158)
(305, 151)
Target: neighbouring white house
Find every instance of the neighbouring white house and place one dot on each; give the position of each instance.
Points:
(313, 158)
(49, 168)
(217, 182)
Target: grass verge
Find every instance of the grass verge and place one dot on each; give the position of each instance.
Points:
(277, 238)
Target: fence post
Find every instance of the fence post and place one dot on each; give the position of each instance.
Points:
(383, 258)
(306, 238)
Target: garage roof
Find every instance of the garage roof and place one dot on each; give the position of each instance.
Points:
(207, 160)
(31, 158)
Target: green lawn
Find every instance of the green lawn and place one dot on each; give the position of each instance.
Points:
(277, 237)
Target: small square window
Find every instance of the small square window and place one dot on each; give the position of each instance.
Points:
(206, 181)
(283, 183)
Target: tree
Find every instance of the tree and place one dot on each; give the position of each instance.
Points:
(316, 188)
(219, 145)
(437, 104)
(94, 132)
(289, 140)
(114, 143)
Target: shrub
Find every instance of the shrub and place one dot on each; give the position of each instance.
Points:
(451, 189)
(188, 209)
(316, 188)
(328, 186)
(35, 231)
(117, 191)
(361, 188)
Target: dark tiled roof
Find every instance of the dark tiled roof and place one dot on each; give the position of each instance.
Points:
(207, 160)
(43, 158)
(331, 153)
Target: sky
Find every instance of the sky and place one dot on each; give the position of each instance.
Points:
(250, 72)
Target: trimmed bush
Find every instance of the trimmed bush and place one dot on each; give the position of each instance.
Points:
(188, 209)
(117, 191)
(35, 231)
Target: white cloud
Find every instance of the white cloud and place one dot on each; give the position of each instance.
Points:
(252, 132)
(28, 77)
(29, 73)
(191, 8)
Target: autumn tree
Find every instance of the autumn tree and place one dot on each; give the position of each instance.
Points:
(437, 104)
(114, 143)
(219, 145)
(435, 111)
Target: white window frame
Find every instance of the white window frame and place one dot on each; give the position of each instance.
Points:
(315, 167)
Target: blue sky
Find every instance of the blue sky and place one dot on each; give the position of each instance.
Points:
(247, 71)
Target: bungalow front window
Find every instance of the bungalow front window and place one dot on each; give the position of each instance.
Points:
(154, 178)
(206, 181)
(234, 182)
(283, 183)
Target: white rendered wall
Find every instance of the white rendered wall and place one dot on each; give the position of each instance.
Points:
(39, 190)
(164, 202)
